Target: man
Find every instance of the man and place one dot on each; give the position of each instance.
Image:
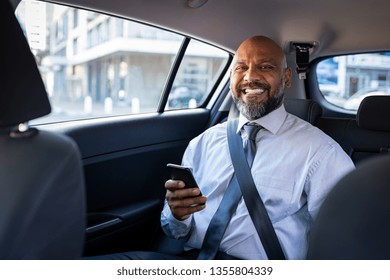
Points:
(294, 168)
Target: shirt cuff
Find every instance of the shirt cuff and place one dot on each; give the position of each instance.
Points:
(174, 227)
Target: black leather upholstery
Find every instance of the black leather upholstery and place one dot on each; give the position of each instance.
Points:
(23, 96)
(353, 222)
(366, 136)
(42, 208)
(42, 194)
(374, 113)
(307, 110)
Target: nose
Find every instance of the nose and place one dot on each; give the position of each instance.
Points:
(251, 75)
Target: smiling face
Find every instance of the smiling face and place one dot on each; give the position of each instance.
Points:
(258, 77)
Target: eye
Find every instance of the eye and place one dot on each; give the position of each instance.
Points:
(240, 68)
(266, 67)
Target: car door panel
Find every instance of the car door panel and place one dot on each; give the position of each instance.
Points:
(125, 169)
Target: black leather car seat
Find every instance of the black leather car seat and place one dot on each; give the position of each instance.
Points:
(306, 109)
(42, 194)
(373, 113)
(366, 136)
(354, 220)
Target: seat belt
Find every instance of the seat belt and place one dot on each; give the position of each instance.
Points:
(252, 199)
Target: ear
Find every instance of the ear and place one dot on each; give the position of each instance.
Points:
(287, 77)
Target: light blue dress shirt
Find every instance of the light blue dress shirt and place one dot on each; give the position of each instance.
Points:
(295, 167)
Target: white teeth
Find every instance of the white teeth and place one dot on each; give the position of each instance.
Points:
(254, 91)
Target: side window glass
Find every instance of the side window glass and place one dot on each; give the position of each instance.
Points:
(198, 72)
(346, 80)
(95, 65)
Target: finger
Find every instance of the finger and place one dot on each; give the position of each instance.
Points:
(174, 185)
(178, 194)
(187, 202)
(182, 213)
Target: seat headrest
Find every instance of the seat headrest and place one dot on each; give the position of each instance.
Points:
(374, 113)
(23, 96)
(307, 110)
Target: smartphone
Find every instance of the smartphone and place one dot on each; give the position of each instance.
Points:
(184, 174)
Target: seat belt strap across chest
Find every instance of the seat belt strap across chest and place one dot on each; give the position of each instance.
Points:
(253, 202)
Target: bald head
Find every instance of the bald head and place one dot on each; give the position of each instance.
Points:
(262, 44)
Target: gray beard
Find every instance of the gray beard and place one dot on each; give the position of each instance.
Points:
(254, 111)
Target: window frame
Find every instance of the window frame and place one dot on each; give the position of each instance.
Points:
(313, 90)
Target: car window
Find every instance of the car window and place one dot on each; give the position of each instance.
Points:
(346, 80)
(95, 65)
(197, 74)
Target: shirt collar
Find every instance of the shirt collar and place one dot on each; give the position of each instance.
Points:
(272, 121)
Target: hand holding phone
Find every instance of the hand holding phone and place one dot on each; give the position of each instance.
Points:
(182, 173)
(183, 207)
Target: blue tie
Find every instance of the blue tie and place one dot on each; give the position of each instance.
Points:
(250, 144)
(228, 205)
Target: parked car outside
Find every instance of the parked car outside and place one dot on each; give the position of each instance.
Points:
(353, 102)
(185, 96)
